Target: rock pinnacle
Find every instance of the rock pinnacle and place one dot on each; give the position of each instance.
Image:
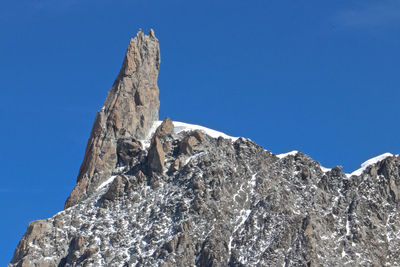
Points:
(129, 111)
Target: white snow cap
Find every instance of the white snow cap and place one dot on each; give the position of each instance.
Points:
(185, 127)
(182, 127)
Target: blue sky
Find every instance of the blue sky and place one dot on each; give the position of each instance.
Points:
(317, 76)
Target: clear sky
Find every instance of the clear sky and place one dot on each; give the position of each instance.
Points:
(317, 76)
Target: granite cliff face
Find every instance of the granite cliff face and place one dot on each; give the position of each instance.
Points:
(128, 113)
(153, 193)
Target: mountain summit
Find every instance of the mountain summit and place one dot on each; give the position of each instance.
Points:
(129, 111)
(152, 193)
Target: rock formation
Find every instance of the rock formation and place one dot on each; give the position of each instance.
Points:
(174, 194)
(129, 111)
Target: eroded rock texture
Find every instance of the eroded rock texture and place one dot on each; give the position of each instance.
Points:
(226, 203)
(183, 198)
(129, 111)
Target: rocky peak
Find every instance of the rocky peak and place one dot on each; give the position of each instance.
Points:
(129, 111)
(166, 128)
(191, 196)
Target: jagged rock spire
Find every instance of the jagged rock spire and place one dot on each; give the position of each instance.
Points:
(129, 111)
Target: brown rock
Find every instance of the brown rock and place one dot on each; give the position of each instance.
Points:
(140, 177)
(307, 226)
(34, 232)
(178, 163)
(129, 111)
(153, 181)
(167, 146)
(79, 242)
(373, 172)
(116, 188)
(166, 128)
(198, 135)
(187, 145)
(156, 156)
(128, 149)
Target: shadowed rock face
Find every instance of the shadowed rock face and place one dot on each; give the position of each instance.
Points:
(129, 111)
(190, 199)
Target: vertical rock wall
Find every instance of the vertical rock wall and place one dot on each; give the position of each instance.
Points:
(129, 111)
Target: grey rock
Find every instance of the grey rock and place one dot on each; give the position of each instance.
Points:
(265, 213)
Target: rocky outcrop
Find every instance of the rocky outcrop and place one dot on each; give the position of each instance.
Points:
(129, 111)
(159, 146)
(156, 157)
(33, 236)
(128, 149)
(228, 204)
(188, 144)
(166, 128)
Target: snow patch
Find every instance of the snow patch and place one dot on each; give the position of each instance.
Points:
(357, 172)
(244, 214)
(146, 142)
(371, 162)
(253, 180)
(291, 153)
(348, 229)
(343, 253)
(324, 169)
(184, 127)
(106, 182)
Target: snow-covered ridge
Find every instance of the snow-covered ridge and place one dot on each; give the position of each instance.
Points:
(370, 162)
(324, 169)
(364, 165)
(185, 127)
(357, 172)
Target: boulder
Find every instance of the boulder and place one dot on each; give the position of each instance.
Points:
(166, 128)
(156, 156)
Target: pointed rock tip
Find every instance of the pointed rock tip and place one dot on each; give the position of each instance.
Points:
(166, 128)
(140, 33)
(151, 33)
(130, 109)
